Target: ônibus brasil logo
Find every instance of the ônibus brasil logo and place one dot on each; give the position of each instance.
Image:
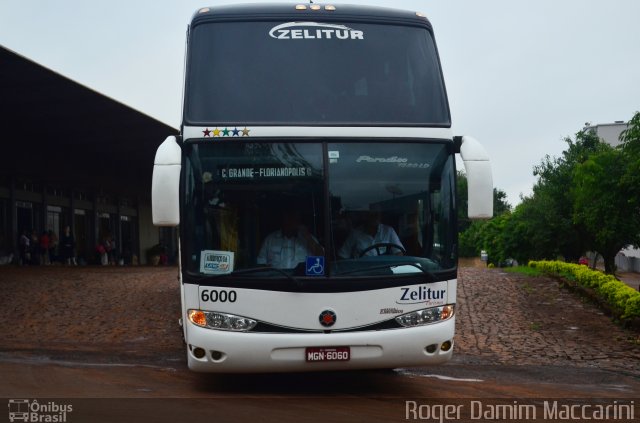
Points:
(314, 30)
(25, 410)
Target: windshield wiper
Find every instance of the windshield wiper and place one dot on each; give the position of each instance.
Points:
(388, 266)
(255, 270)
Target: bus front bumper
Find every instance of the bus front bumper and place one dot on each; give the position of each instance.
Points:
(245, 352)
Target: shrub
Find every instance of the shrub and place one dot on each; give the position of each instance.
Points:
(618, 295)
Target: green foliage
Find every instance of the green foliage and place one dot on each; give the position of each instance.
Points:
(587, 199)
(471, 238)
(493, 241)
(554, 198)
(524, 270)
(602, 206)
(619, 296)
(631, 136)
(631, 150)
(500, 204)
(532, 229)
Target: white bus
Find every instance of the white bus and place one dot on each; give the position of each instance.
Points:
(314, 185)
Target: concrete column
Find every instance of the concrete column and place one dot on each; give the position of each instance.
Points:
(136, 249)
(43, 219)
(149, 234)
(72, 214)
(118, 226)
(13, 216)
(95, 220)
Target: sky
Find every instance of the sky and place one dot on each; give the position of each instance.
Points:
(520, 75)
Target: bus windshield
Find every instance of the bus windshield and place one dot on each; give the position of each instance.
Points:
(318, 209)
(308, 73)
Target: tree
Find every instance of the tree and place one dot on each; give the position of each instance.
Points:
(554, 199)
(470, 240)
(530, 236)
(500, 204)
(493, 239)
(631, 149)
(588, 199)
(602, 203)
(469, 231)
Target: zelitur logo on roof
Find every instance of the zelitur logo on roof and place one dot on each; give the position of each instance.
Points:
(314, 30)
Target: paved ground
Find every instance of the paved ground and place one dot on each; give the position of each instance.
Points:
(630, 278)
(124, 315)
(515, 319)
(121, 313)
(105, 341)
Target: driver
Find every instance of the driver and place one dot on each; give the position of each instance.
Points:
(372, 232)
(290, 245)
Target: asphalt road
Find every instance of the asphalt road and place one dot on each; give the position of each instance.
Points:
(144, 392)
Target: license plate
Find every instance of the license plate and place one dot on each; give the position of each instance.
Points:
(315, 354)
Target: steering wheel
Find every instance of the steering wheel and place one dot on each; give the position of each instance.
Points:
(387, 245)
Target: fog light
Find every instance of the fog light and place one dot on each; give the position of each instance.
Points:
(216, 355)
(431, 348)
(198, 352)
(446, 346)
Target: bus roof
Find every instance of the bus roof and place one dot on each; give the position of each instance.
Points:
(295, 11)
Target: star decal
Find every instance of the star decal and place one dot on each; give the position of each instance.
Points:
(226, 132)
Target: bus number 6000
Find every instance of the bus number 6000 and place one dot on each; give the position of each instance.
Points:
(221, 296)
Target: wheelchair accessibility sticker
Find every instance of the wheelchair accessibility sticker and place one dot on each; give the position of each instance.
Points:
(314, 266)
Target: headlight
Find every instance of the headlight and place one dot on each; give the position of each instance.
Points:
(221, 321)
(426, 316)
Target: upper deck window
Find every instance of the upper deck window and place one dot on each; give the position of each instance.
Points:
(307, 73)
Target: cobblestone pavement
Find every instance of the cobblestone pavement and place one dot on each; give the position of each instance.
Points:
(123, 313)
(128, 314)
(507, 318)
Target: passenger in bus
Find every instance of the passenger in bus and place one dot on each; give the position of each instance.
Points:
(290, 245)
(372, 232)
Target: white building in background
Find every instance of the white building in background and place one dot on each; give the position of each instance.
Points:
(628, 259)
(608, 132)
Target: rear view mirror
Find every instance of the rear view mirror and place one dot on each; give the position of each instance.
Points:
(165, 185)
(478, 170)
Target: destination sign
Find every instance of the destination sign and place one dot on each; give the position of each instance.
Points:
(265, 172)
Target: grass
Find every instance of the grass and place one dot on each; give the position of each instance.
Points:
(525, 270)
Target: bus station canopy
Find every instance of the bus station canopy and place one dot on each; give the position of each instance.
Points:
(58, 131)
